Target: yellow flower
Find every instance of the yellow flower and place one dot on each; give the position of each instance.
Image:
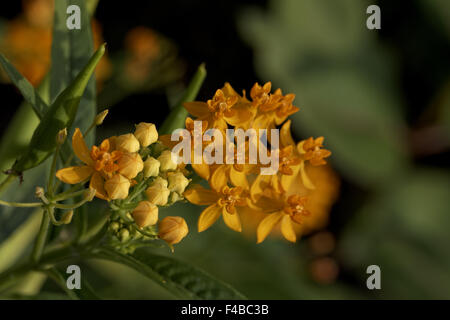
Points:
(177, 182)
(127, 143)
(219, 111)
(146, 133)
(151, 167)
(101, 164)
(220, 199)
(272, 108)
(145, 214)
(289, 210)
(158, 194)
(172, 229)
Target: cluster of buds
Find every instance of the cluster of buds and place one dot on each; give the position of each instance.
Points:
(136, 174)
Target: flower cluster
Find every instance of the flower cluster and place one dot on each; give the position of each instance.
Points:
(135, 173)
(281, 198)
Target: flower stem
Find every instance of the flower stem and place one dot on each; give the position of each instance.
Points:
(41, 238)
(20, 204)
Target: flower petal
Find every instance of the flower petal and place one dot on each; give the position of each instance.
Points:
(97, 183)
(208, 217)
(200, 196)
(197, 108)
(80, 149)
(232, 220)
(201, 169)
(74, 175)
(285, 135)
(239, 179)
(306, 181)
(219, 178)
(266, 225)
(287, 230)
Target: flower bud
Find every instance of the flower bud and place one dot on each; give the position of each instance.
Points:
(117, 187)
(127, 143)
(158, 195)
(166, 161)
(145, 214)
(124, 235)
(66, 218)
(159, 181)
(177, 182)
(172, 229)
(130, 164)
(146, 133)
(100, 117)
(151, 167)
(114, 226)
(175, 197)
(61, 136)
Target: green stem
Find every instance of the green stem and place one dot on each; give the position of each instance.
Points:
(7, 182)
(51, 177)
(178, 114)
(41, 238)
(20, 204)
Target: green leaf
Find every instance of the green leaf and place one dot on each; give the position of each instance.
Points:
(179, 278)
(60, 115)
(25, 87)
(84, 293)
(178, 114)
(71, 50)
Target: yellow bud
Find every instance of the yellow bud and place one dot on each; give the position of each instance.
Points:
(145, 214)
(177, 182)
(124, 235)
(127, 143)
(100, 117)
(117, 187)
(61, 136)
(67, 217)
(39, 192)
(146, 133)
(158, 195)
(172, 229)
(151, 167)
(159, 181)
(174, 197)
(130, 164)
(166, 161)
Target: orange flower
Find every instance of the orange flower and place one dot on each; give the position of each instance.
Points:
(221, 110)
(272, 109)
(104, 166)
(220, 199)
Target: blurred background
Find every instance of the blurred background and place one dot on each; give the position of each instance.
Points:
(381, 99)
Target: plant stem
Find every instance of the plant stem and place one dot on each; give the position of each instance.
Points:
(7, 182)
(20, 204)
(41, 238)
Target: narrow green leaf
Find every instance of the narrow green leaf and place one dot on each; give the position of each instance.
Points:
(179, 278)
(25, 87)
(60, 115)
(178, 114)
(71, 50)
